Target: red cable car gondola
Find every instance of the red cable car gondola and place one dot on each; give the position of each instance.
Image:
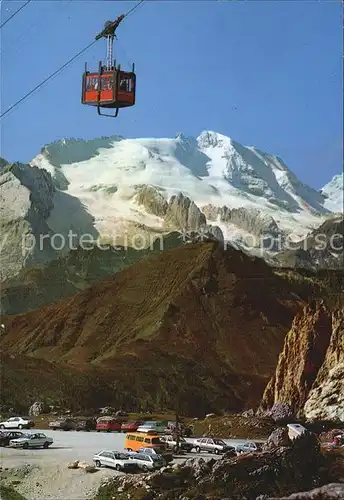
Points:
(109, 87)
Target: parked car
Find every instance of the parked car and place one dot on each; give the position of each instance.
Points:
(6, 436)
(114, 459)
(87, 424)
(171, 443)
(247, 447)
(153, 425)
(32, 441)
(212, 445)
(17, 423)
(130, 425)
(147, 462)
(63, 423)
(168, 457)
(108, 424)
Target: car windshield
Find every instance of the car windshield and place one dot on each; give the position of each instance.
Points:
(156, 458)
(121, 456)
(220, 442)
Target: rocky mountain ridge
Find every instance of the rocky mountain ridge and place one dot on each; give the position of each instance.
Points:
(152, 324)
(26, 201)
(309, 373)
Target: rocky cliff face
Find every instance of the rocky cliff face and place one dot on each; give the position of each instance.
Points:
(326, 399)
(184, 214)
(259, 230)
(308, 371)
(179, 213)
(26, 200)
(152, 200)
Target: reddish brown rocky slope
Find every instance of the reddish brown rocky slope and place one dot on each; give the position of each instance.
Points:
(199, 323)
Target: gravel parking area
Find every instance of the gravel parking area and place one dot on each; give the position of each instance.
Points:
(42, 474)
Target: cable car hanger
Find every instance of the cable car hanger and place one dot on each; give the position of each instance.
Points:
(110, 87)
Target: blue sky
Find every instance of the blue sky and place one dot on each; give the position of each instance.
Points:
(266, 73)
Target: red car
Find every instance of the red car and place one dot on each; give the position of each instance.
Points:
(130, 426)
(108, 424)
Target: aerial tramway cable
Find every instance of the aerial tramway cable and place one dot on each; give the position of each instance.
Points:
(130, 11)
(15, 13)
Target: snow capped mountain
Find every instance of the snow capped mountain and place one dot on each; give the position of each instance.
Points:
(333, 192)
(213, 170)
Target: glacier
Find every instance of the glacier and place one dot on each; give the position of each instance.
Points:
(212, 169)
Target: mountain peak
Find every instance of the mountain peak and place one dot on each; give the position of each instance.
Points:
(333, 192)
(209, 138)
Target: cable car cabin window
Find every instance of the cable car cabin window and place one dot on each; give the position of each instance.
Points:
(125, 85)
(92, 83)
(106, 83)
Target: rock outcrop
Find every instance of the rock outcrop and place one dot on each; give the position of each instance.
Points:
(26, 200)
(184, 214)
(332, 491)
(279, 437)
(262, 227)
(152, 200)
(326, 399)
(309, 368)
(38, 408)
(321, 249)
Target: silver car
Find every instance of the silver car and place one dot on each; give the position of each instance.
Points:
(36, 440)
(212, 445)
(114, 459)
(147, 462)
(247, 447)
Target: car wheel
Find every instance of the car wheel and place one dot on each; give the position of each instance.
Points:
(145, 468)
(216, 451)
(118, 467)
(46, 444)
(20, 426)
(98, 464)
(2, 427)
(198, 449)
(25, 446)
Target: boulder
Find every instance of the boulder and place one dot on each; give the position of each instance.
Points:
(199, 467)
(38, 408)
(73, 465)
(279, 437)
(332, 491)
(90, 468)
(248, 413)
(83, 465)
